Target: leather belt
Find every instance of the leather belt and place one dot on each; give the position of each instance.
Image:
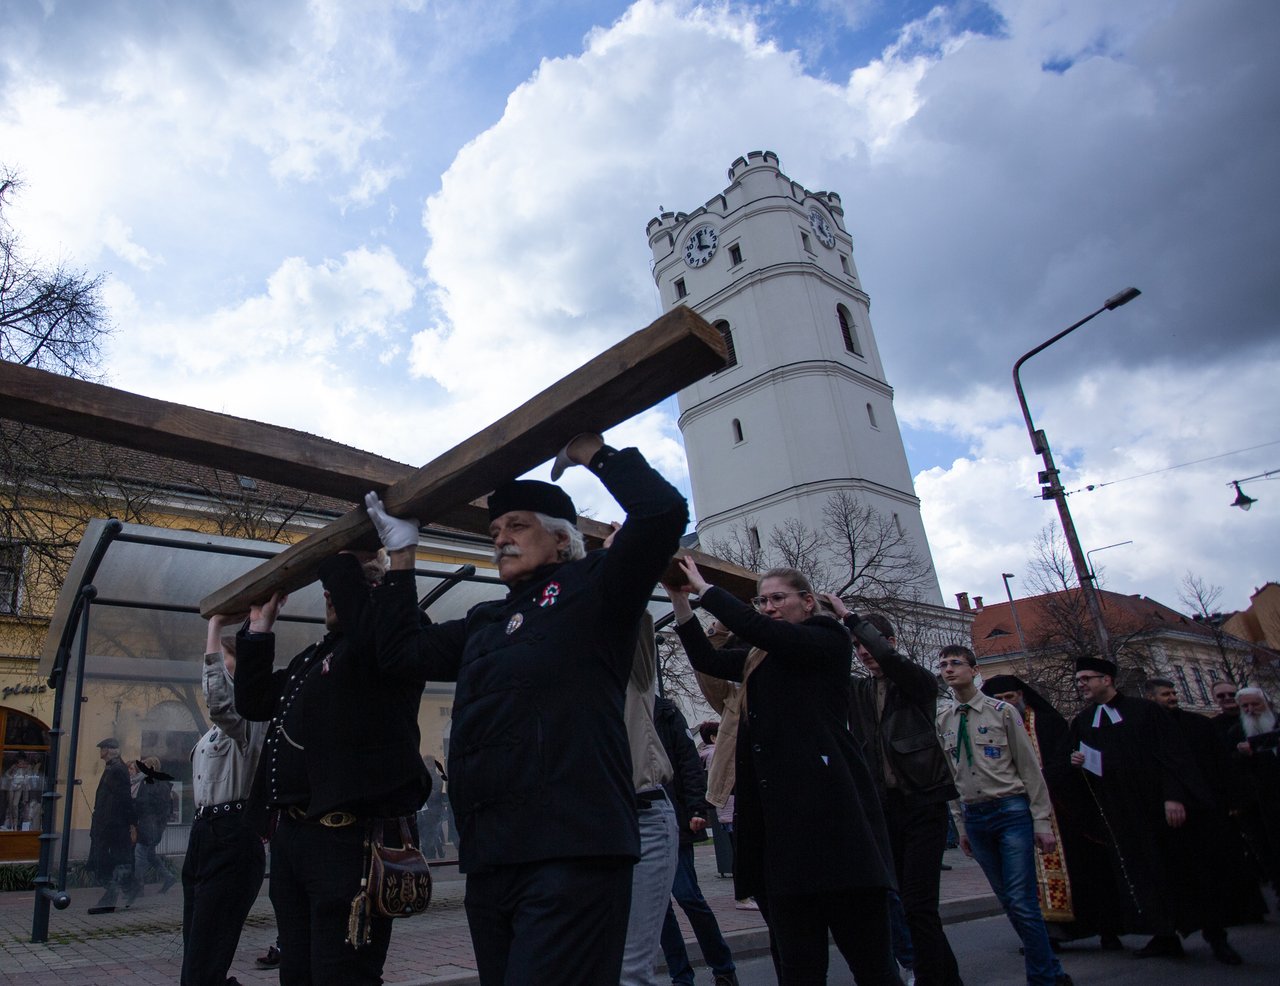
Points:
(226, 808)
(332, 820)
(647, 799)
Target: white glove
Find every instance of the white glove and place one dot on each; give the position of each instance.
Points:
(395, 532)
(588, 439)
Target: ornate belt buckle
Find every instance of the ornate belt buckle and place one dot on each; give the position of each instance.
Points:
(337, 819)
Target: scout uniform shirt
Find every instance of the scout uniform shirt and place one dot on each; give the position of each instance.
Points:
(993, 758)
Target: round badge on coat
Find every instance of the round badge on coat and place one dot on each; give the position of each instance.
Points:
(514, 623)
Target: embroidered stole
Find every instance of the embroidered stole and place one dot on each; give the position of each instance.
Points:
(1053, 885)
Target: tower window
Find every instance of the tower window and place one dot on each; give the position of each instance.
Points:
(754, 533)
(805, 242)
(848, 330)
(731, 359)
(844, 263)
(735, 255)
(871, 416)
(681, 290)
(737, 432)
(897, 525)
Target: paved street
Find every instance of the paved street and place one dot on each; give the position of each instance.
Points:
(144, 944)
(987, 950)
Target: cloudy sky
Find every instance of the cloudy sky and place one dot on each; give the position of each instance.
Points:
(390, 222)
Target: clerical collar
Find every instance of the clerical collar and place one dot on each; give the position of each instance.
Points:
(1112, 714)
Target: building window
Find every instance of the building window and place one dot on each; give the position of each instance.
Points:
(737, 431)
(10, 577)
(1201, 687)
(1181, 672)
(871, 416)
(731, 359)
(805, 242)
(848, 331)
(844, 263)
(681, 290)
(754, 533)
(24, 745)
(897, 525)
(735, 255)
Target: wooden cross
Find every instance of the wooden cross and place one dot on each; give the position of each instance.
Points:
(676, 350)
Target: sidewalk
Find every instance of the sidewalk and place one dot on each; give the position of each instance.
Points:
(144, 943)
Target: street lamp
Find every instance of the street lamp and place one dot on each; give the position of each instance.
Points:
(1022, 641)
(1088, 555)
(1243, 500)
(1051, 489)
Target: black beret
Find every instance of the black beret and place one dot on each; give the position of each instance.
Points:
(532, 494)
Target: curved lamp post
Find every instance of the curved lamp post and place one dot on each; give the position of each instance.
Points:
(1051, 489)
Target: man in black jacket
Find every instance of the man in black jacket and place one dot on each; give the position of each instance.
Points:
(341, 753)
(893, 712)
(687, 792)
(539, 766)
(110, 839)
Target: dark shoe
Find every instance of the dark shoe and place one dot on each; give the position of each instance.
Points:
(1112, 943)
(946, 866)
(1161, 946)
(726, 979)
(1224, 953)
(102, 909)
(270, 960)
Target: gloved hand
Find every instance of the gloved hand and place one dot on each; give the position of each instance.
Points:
(396, 532)
(576, 452)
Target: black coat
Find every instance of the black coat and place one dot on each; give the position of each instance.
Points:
(688, 787)
(111, 843)
(360, 729)
(907, 734)
(807, 818)
(539, 766)
(154, 805)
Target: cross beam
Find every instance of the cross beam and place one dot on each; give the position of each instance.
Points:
(317, 465)
(675, 351)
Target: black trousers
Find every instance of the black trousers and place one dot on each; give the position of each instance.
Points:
(561, 921)
(315, 873)
(918, 837)
(221, 877)
(859, 924)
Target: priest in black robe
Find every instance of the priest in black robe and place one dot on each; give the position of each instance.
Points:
(1138, 767)
(1082, 900)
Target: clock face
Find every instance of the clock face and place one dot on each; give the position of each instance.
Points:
(822, 228)
(701, 246)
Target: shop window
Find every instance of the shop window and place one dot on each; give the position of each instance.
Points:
(24, 745)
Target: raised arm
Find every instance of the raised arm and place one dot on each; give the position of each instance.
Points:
(219, 695)
(916, 683)
(255, 688)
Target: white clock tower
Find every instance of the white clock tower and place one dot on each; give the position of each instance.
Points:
(803, 410)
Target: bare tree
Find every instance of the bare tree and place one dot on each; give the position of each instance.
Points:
(1201, 599)
(1063, 632)
(50, 317)
(743, 546)
(878, 561)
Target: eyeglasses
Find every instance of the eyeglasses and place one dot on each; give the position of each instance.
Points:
(774, 597)
(1224, 695)
(1082, 678)
(953, 664)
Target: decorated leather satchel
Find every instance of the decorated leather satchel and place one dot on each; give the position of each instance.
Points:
(397, 883)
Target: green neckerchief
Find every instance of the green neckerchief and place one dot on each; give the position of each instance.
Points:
(963, 739)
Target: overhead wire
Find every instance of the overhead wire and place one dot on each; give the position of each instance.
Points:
(1091, 487)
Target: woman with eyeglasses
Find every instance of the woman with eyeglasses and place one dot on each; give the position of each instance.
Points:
(811, 841)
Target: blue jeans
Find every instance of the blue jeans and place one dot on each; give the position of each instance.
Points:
(703, 921)
(650, 891)
(1003, 842)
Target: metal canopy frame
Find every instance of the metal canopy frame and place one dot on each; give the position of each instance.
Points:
(128, 611)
